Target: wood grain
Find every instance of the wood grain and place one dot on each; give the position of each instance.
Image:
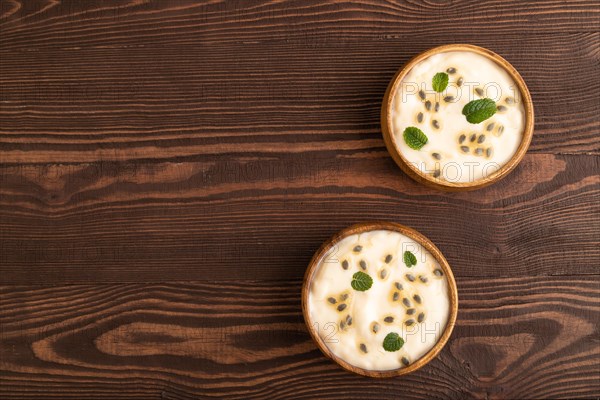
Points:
(522, 337)
(73, 23)
(264, 218)
(154, 102)
(168, 168)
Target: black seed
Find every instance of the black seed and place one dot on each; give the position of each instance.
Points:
(363, 348)
(464, 149)
(405, 361)
(357, 249)
(410, 277)
(489, 126)
(448, 99)
(342, 325)
(461, 138)
(410, 322)
(388, 258)
(332, 300)
(406, 302)
(501, 108)
(421, 317)
(345, 264)
(420, 117)
(473, 137)
(375, 327)
(428, 105)
(422, 94)
(383, 274)
(479, 91)
(436, 156)
(481, 139)
(500, 130)
(451, 70)
(479, 151)
(438, 272)
(349, 320)
(410, 311)
(459, 82)
(341, 307)
(396, 296)
(423, 279)
(509, 100)
(363, 264)
(436, 108)
(344, 296)
(417, 298)
(488, 152)
(435, 124)
(389, 320)
(436, 173)
(398, 285)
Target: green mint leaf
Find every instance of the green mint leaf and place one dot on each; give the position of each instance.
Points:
(414, 138)
(361, 281)
(393, 342)
(478, 111)
(440, 82)
(409, 259)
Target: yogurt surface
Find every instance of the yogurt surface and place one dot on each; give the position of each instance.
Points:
(411, 302)
(458, 151)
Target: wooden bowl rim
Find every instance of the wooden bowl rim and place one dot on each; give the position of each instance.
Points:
(415, 173)
(417, 237)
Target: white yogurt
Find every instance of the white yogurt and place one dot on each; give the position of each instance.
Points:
(502, 132)
(349, 341)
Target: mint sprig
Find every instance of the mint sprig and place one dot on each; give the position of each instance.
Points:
(440, 82)
(414, 138)
(478, 111)
(361, 281)
(393, 342)
(409, 259)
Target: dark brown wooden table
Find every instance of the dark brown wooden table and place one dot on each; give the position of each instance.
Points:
(168, 168)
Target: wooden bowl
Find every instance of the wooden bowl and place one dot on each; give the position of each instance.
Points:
(426, 179)
(417, 237)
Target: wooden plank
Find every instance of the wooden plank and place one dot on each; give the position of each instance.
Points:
(521, 337)
(27, 24)
(262, 218)
(83, 105)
